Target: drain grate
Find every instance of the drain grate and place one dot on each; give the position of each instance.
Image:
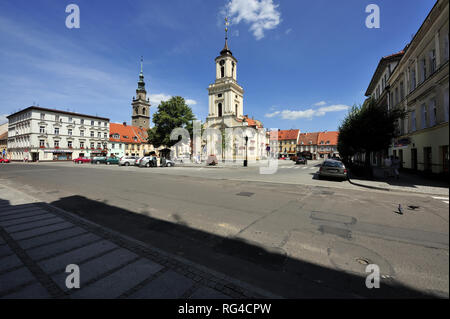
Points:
(248, 194)
(363, 261)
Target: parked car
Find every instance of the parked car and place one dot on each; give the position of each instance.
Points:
(333, 168)
(301, 160)
(128, 160)
(167, 162)
(4, 160)
(81, 160)
(148, 161)
(112, 160)
(98, 160)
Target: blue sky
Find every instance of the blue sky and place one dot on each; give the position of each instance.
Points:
(301, 63)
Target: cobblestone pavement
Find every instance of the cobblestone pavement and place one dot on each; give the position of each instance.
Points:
(38, 241)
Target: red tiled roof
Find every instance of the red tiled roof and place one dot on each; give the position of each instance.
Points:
(284, 135)
(127, 133)
(332, 137)
(306, 138)
(251, 122)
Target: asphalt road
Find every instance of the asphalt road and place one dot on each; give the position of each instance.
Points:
(287, 233)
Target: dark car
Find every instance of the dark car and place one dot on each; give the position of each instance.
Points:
(334, 169)
(301, 160)
(98, 160)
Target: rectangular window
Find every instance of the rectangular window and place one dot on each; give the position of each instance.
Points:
(81, 144)
(113, 146)
(69, 131)
(99, 134)
(92, 133)
(92, 122)
(41, 143)
(99, 145)
(81, 133)
(82, 121)
(432, 61)
(424, 116)
(402, 91)
(446, 48)
(56, 143)
(432, 112)
(397, 96)
(70, 119)
(42, 129)
(413, 121)
(105, 135)
(92, 145)
(42, 116)
(423, 66)
(56, 131)
(69, 144)
(99, 123)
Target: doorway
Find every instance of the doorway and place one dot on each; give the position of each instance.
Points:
(427, 160)
(414, 159)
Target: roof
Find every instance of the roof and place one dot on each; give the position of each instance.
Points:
(306, 138)
(4, 136)
(332, 137)
(127, 133)
(285, 135)
(57, 111)
(251, 122)
(379, 70)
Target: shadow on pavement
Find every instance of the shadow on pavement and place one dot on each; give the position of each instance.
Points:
(268, 268)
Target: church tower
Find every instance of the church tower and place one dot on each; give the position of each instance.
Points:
(141, 104)
(226, 96)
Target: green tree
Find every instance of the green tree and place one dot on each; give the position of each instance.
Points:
(368, 128)
(171, 114)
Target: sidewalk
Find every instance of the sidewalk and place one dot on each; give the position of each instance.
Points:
(407, 183)
(38, 241)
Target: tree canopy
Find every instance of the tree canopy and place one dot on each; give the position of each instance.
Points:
(171, 114)
(368, 128)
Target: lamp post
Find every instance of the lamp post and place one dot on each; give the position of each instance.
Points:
(245, 161)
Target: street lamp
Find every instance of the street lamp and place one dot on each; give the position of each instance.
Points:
(245, 161)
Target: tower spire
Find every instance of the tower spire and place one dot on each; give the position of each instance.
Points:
(141, 83)
(142, 61)
(225, 50)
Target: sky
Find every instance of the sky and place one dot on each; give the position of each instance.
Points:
(302, 64)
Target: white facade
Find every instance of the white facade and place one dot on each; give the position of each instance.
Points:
(39, 134)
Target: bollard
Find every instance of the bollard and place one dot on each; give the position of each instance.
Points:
(400, 210)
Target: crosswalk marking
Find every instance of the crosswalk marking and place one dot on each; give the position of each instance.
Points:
(443, 199)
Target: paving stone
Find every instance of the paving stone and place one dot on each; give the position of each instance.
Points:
(97, 267)
(120, 281)
(208, 293)
(61, 246)
(40, 231)
(23, 220)
(169, 285)
(5, 250)
(34, 212)
(52, 237)
(9, 262)
(32, 225)
(33, 291)
(76, 256)
(15, 278)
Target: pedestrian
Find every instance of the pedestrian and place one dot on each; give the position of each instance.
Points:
(396, 166)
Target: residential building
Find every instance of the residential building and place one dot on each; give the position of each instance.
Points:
(307, 144)
(380, 90)
(286, 141)
(327, 144)
(422, 82)
(128, 140)
(41, 134)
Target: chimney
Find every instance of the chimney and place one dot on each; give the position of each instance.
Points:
(124, 123)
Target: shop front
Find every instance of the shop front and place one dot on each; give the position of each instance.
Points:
(60, 155)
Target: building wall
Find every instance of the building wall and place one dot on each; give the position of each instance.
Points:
(425, 95)
(43, 134)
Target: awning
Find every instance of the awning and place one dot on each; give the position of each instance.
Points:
(57, 151)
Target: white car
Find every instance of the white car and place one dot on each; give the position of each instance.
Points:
(128, 160)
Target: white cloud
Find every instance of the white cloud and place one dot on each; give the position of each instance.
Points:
(308, 113)
(288, 31)
(321, 103)
(156, 99)
(191, 102)
(261, 15)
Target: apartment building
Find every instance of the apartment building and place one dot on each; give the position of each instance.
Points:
(285, 141)
(420, 85)
(128, 140)
(41, 134)
(307, 144)
(327, 144)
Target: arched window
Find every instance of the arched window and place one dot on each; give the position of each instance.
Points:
(236, 109)
(232, 69)
(222, 68)
(220, 109)
(143, 110)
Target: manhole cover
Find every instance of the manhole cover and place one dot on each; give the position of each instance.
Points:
(363, 261)
(248, 194)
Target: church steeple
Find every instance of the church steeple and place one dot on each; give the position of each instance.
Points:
(141, 104)
(225, 50)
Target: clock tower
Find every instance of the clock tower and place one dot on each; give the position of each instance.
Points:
(141, 104)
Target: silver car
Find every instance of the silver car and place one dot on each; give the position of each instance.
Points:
(333, 168)
(148, 161)
(128, 160)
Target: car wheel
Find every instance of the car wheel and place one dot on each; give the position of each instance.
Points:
(79, 162)
(169, 164)
(147, 165)
(97, 162)
(127, 164)
(108, 163)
